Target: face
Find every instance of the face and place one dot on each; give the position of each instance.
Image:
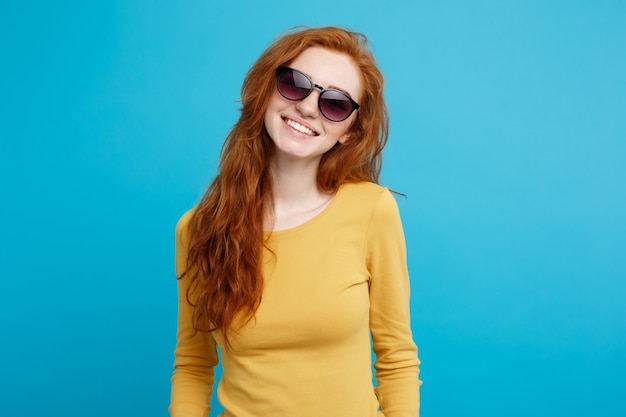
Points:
(297, 128)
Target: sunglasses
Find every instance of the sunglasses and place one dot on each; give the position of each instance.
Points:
(294, 85)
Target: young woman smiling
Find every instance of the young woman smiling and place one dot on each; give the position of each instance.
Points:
(293, 264)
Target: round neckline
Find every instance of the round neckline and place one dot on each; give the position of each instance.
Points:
(318, 217)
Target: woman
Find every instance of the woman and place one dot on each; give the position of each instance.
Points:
(295, 254)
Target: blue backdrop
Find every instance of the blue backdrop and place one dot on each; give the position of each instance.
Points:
(508, 137)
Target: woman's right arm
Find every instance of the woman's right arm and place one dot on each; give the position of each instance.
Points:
(195, 355)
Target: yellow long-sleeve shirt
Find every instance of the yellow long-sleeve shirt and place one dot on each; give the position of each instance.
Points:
(307, 352)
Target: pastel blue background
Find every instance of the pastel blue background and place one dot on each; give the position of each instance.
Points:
(508, 137)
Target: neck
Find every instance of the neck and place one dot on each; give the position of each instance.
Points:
(296, 197)
(294, 181)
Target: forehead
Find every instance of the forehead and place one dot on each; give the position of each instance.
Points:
(330, 69)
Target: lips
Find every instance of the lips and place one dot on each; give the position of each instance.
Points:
(299, 127)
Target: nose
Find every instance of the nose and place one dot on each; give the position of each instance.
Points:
(308, 106)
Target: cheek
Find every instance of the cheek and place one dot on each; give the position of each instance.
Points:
(276, 101)
(272, 110)
(275, 105)
(344, 130)
(271, 120)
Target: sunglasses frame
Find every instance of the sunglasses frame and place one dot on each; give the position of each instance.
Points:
(282, 68)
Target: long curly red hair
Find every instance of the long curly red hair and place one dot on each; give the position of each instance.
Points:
(226, 229)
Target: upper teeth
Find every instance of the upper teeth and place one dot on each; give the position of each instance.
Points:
(300, 128)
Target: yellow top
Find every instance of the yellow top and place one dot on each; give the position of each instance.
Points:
(307, 352)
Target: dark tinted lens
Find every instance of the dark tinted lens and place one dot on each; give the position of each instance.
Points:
(293, 85)
(335, 105)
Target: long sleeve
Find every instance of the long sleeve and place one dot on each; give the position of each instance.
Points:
(331, 286)
(397, 364)
(195, 354)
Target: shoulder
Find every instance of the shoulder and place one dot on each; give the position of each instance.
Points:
(182, 241)
(183, 221)
(182, 226)
(364, 191)
(370, 197)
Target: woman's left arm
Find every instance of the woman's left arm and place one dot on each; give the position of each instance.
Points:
(397, 364)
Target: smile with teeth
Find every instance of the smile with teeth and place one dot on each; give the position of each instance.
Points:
(302, 129)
